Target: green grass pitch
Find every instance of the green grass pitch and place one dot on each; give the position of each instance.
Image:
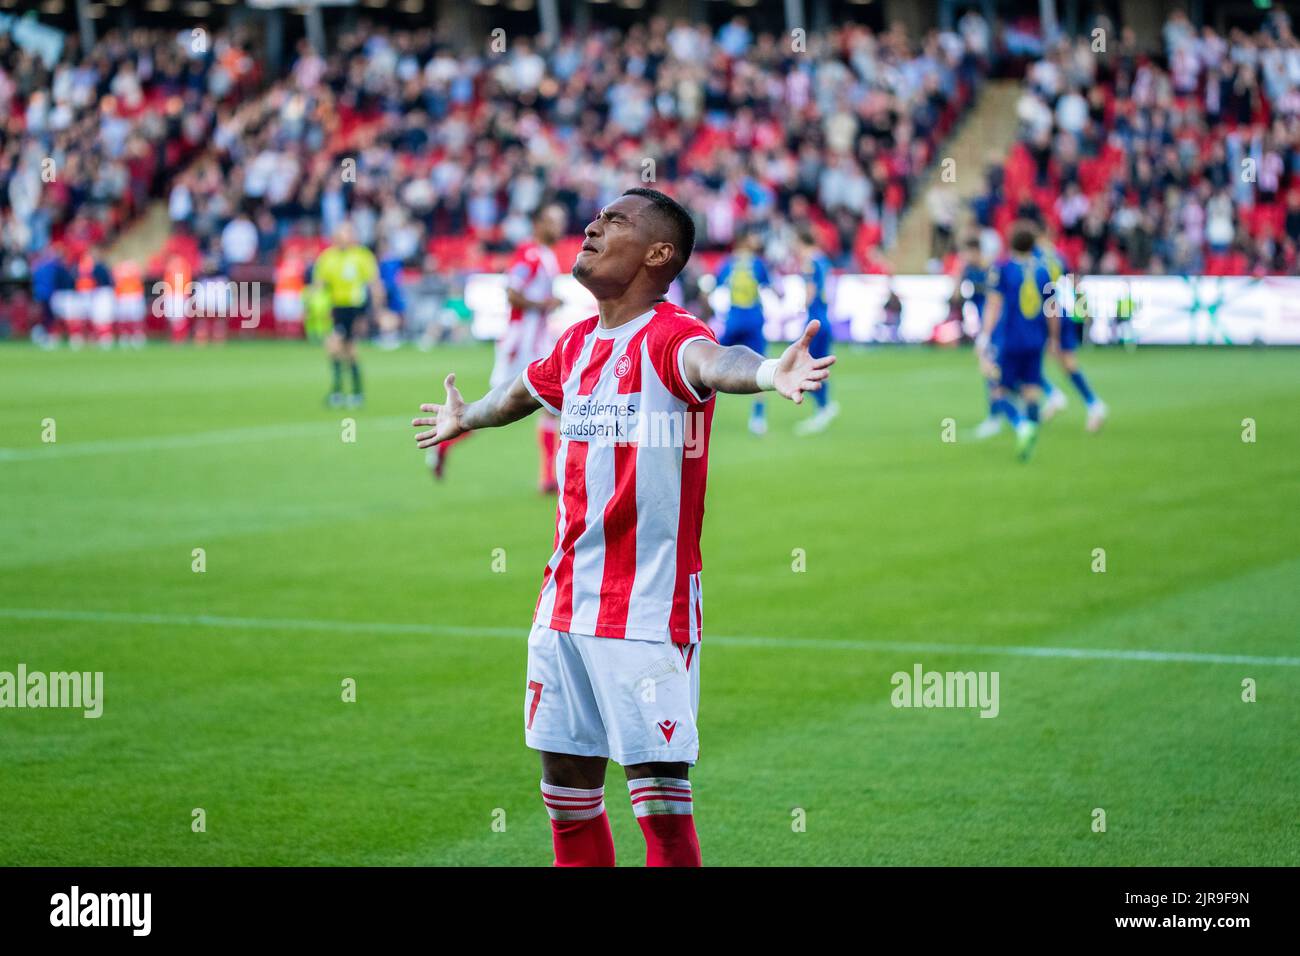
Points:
(328, 560)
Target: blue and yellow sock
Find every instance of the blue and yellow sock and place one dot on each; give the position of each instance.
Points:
(1081, 384)
(1004, 406)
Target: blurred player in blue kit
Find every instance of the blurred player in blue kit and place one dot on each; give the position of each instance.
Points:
(1065, 350)
(1019, 323)
(744, 273)
(816, 270)
(971, 287)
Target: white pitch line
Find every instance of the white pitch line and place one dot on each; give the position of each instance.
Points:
(232, 436)
(520, 633)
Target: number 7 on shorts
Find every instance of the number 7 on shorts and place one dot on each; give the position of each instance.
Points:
(536, 688)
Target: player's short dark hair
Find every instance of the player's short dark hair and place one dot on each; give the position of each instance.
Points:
(679, 221)
(1023, 235)
(543, 206)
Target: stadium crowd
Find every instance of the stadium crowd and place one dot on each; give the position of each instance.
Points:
(86, 141)
(1187, 166)
(453, 152)
(438, 157)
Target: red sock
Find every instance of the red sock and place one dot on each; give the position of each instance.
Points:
(663, 808)
(579, 826)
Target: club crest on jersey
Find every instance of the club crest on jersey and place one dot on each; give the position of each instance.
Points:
(667, 726)
(623, 365)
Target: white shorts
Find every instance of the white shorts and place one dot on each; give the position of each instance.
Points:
(288, 307)
(130, 308)
(102, 306)
(632, 701)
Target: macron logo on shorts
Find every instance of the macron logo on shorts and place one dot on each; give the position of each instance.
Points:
(667, 726)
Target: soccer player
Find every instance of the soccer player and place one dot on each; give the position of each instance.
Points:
(347, 270)
(614, 652)
(744, 273)
(93, 284)
(1065, 350)
(51, 288)
(130, 307)
(175, 298)
(970, 288)
(816, 270)
(288, 305)
(1018, 318)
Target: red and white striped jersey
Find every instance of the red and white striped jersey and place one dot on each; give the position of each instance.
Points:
(632, 462)
(527, 336)
(532, 273)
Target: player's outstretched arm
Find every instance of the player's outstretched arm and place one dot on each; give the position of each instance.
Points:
(739, 370)
(506, 403)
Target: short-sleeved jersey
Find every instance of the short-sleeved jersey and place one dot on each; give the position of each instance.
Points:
(1066, 292)
(744, 274)
(1051, 259)
(289, 275)
(345, 273)
(128, 280)
(532, 274)
(1023, 283)
(633, 456)
(92, 274)
(818, 275)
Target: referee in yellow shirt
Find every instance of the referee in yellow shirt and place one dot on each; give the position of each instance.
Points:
(346, 270)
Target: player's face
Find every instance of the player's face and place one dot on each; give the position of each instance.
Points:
(616, 246)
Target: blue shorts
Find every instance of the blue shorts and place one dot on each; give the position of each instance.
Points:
(1071, 334)
(746, 331)
(1018, 369)
(820, 346)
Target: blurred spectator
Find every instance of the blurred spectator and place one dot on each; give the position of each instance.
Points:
(1183, 164)
(86, 143)
(408, 138)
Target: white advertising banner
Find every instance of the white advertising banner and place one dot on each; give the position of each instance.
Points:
(1161, 310)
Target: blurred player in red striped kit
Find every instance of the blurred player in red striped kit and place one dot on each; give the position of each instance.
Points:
(530, 290)
(614, 651)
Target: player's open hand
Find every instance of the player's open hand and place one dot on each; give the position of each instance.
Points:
(444, 424)
(797, 371)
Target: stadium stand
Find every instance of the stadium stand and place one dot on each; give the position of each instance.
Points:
(439, 156)
(1185, 164)
(86, 143)
(1181, 160)
(453, 152)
